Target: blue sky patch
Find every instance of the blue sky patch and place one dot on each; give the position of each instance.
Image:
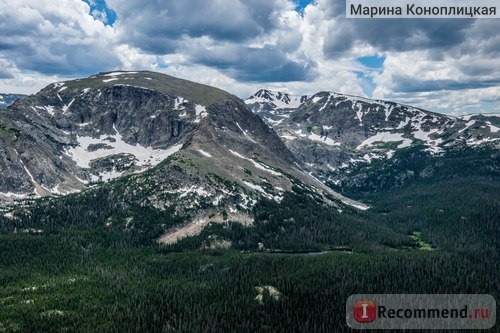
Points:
(100, 11)
(372, 62)
(301, 4)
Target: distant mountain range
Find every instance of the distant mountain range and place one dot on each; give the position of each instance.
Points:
(332, 133)
(206, 154)
(8, 99)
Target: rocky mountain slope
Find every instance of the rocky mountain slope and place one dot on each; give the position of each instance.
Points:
(190, 147)
(332, 133)
(8, 99)
(201, 153)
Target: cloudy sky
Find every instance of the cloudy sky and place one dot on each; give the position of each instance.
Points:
(299, 46)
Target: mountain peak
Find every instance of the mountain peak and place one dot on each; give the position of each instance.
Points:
(110, 125)
(332, 131)
(270, 100)
(195, 92)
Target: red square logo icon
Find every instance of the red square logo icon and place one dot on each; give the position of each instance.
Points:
(365, 311)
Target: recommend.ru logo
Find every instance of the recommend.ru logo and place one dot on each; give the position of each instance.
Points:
(421, 311)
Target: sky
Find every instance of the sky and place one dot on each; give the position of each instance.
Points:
(300, 47)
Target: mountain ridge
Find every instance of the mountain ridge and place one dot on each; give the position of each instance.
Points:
(333, 133)
(209, 163)
(205, 155)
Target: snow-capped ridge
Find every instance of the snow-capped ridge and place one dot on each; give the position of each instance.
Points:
(276, 99)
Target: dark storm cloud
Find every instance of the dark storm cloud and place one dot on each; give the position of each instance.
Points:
(484, 68)
(282, 72)
(409, 84)
(391, 34)
(4, 74)
(397, 35)
(61, 60)
(267, 64)
(165, 27)
(154, 26)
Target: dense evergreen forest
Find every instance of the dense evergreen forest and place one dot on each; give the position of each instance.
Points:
(89, 263)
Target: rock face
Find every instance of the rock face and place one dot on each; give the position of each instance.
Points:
(73, 133)
(332, 132)
(187, 145)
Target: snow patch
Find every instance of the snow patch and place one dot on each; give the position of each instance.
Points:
(14, 195)
(299, 133)
(472, 142)
(185, 191)
(326, 103)
(113, 74)
(432, 143)
(386, 137)
(403, 124)
(274, 122)
(323, 139)
(316, 99)
(66, 107)
(106, 176)
(493, 128)
(256, 164)
(179, 101)
(50, 109)
(469, 124)
(145, 156)
(278, 100)
(259, 188)
(288, 137)
(359, 113)
(245, 133)
(204, 153)
(201, 112)
(388, 111)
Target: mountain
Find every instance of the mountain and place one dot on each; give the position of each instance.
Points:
(152, 159)
(186, 146)
(268, 100)
(8, 99)
(335, 133)
(201, 153)
(274, 106)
